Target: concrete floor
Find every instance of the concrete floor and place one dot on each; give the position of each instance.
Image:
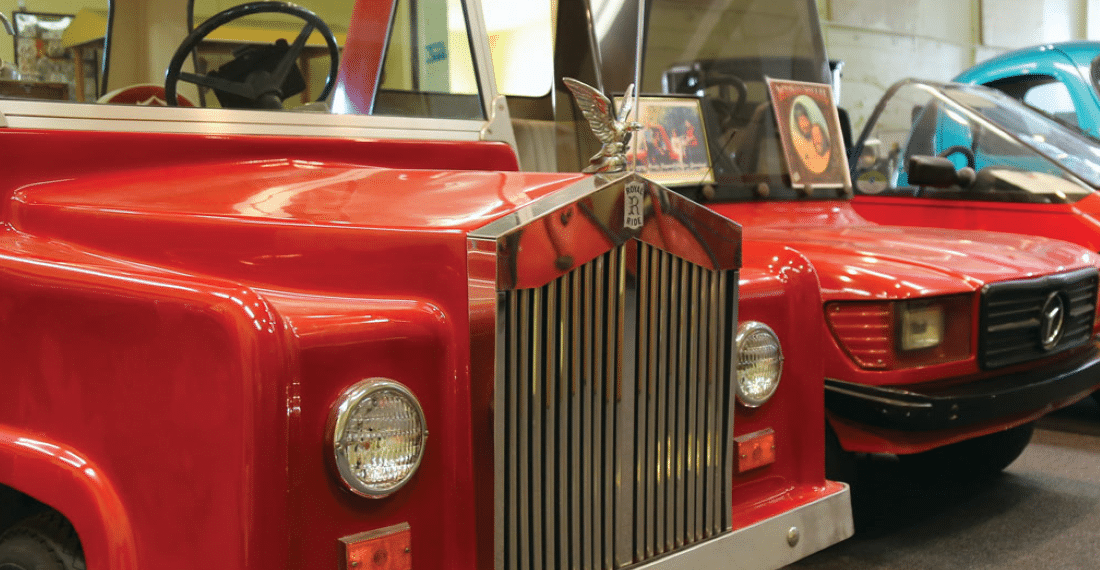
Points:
(1042, 513)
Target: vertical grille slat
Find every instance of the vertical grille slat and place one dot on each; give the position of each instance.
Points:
(652, 460)
(661, 544)
(699, 383)
(550, 415)
(608, 410)
(714, 480)
(642, 485)
(523, 410)
(1012, 317)
(617, 411)
(598, 341)
(589, 458)
(535, 411)
(576, 387)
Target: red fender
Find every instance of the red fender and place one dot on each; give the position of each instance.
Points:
(68, 481)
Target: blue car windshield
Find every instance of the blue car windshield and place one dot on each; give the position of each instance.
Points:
(1077, 153)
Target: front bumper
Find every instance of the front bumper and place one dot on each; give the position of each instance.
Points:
(946, 405)
(766, 544)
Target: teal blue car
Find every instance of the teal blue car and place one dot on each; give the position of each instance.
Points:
(1060, 79)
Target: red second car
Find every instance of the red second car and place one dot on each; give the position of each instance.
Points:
(950, 343)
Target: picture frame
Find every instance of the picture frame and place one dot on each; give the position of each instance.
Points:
(671, 148)
(809, 129)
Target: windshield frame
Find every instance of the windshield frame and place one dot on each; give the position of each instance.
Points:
(57, 115)
(940, 91)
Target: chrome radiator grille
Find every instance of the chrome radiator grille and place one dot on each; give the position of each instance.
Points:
(1013, 321)
(616, 406)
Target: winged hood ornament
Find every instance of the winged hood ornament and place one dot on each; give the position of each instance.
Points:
(613, 132)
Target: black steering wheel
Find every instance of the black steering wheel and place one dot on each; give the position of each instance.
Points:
(258, 77)
(728, 106)
(966, 152)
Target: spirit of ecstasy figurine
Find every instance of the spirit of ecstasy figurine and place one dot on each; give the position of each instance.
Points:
(614, 132)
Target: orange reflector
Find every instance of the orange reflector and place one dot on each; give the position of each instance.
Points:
(755, 450)
(383, 549)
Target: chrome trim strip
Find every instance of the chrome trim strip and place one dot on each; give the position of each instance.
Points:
(535, 416)
(664, 445)
(653, 463)
(642, 486)
(91, 117)
(727, 294)
(576, 388)
(714, 387)
(525, 436)
(589, 391)
(592, 210)
(514, 521)
(764, 546)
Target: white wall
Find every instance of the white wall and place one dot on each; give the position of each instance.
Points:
(883, 42)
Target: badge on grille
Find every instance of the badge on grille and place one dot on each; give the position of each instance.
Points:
(634, 205)
(1052, 321)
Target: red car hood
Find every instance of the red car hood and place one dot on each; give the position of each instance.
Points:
(283, 223)
(889, 262)
(289, 191)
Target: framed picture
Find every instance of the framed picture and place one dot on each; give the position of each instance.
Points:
(809, 128)
(671, 148)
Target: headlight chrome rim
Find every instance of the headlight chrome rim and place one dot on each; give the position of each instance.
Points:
(744, 332)
(338, 422)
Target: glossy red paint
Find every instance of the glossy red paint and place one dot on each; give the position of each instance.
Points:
(182, 311)
(779, 288)
(857, 260)
(317, 277)
(1077, 223)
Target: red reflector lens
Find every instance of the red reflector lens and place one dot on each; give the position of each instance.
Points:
(383, 549)
(755, 450)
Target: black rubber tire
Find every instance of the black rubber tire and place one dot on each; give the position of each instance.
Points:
(978, 458)
(45, 541)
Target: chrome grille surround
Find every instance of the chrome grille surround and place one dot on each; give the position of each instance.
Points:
(611, 347)
(1011, 319)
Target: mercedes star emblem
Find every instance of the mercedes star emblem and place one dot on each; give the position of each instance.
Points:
(1052, 321)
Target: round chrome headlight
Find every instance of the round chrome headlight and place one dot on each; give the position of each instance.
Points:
(377, 433)
(759, 363)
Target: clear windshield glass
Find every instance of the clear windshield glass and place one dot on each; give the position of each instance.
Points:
(721, 51)
(1078, 154)
(262, 55)
(969, 126)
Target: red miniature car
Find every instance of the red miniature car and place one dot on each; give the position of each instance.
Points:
(227, 330)
(950, 343)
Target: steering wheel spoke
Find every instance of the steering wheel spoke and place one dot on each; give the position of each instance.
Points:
(219, 84)
(283, 69)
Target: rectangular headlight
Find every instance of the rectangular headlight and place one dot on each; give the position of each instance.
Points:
(922, 325)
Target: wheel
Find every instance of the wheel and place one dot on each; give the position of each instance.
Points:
(977, 458)
(45, 541)
(258, 77)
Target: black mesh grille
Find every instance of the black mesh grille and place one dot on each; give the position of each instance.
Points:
(1012, 317)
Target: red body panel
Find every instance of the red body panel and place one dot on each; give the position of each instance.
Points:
(1076, 223)
(798, 405)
